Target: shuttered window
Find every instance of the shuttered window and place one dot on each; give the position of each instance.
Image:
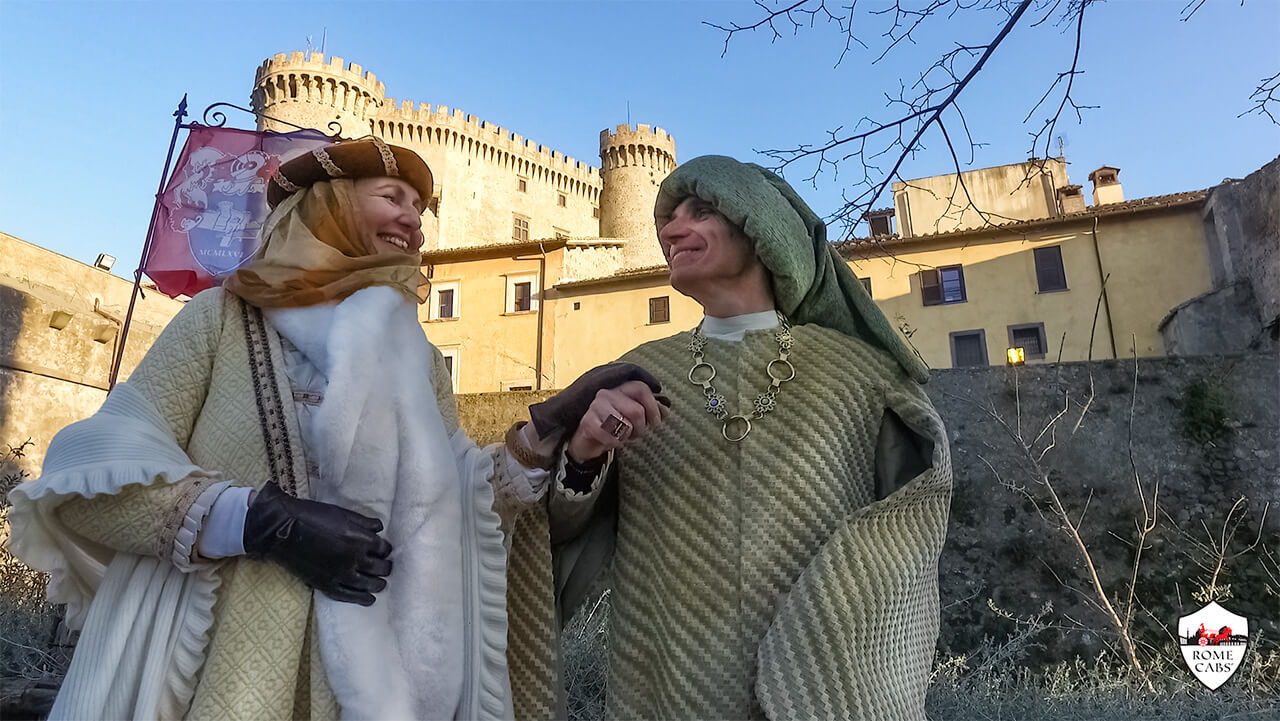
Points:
(659, 309)
(939, 286)
(1050, 275)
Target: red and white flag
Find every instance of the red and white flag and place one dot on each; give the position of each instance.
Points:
(213, 208)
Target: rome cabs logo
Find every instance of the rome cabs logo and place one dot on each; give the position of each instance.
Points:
(1213, 642)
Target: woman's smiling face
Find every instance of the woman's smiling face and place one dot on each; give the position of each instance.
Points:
(391, 214)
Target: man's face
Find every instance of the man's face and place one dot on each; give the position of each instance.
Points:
(391, 215)
(705, 251)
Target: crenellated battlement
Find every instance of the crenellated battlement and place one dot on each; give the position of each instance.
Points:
(299, 63)
(642, 145)
(422, 122)
(639, 134)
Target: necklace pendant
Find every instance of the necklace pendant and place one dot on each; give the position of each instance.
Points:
(741, 427)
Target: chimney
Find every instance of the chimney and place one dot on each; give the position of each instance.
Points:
(1106, 186)
(881, 222)
(1070, 199)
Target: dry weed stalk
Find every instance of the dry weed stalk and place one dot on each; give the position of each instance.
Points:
(1213, 554)
(1032, 450)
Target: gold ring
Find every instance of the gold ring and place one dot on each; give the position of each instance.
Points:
(615, 426)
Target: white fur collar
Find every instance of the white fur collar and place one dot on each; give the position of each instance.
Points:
(383, 451)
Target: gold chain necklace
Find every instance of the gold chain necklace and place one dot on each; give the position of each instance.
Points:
(779, 369)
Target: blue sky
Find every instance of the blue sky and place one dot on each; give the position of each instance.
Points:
(88, 88)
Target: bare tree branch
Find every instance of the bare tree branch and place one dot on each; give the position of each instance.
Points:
(1265, 99)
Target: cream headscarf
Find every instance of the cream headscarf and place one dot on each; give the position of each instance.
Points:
(315, 253)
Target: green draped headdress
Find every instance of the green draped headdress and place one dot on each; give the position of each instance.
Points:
(811, 282)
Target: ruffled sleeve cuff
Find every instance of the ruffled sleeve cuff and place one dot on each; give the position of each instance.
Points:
(568, 489)
(213, 526)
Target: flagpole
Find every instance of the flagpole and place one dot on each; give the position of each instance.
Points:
(178, 115)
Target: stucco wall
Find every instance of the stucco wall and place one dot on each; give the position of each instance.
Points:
(1022, 191)
(1153, 261)
(1000, 288)
(494, 347)
(1156, 261)
(611, 320)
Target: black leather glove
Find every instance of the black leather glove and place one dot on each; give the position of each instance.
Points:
(333, 550)
(564, 410)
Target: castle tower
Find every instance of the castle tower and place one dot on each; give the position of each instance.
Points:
(633, 163)
(305, 89)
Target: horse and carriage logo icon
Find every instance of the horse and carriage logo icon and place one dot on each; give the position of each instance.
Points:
(1213, 642)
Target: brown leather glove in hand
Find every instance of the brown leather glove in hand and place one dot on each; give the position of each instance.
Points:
(333, 550)
(564, 410)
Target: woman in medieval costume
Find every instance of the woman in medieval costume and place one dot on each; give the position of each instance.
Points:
(278, 516)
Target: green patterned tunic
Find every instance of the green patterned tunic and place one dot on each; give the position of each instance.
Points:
(763, 578)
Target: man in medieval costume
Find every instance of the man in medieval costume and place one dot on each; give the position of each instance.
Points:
(278, 516)
(772, 547)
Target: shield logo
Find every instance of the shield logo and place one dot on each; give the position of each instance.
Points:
(221, 204)
(1213, 642)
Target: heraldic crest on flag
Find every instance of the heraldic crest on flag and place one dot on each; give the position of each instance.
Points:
(212, 209)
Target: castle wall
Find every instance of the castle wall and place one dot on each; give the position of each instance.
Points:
(51, 376)
(477, 165)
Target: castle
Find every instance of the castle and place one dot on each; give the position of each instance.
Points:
(492, 185)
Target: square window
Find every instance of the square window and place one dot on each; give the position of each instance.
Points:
(522, 185)
(519, 228)
(520, 388)
(445, 299)
(560, 234)
(942, 286)
(1050, 275)
(522, 293)
(1030, 338)
(866, 283)
(968, 348)
(595, 212)
(660, 310)
(562, 200)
